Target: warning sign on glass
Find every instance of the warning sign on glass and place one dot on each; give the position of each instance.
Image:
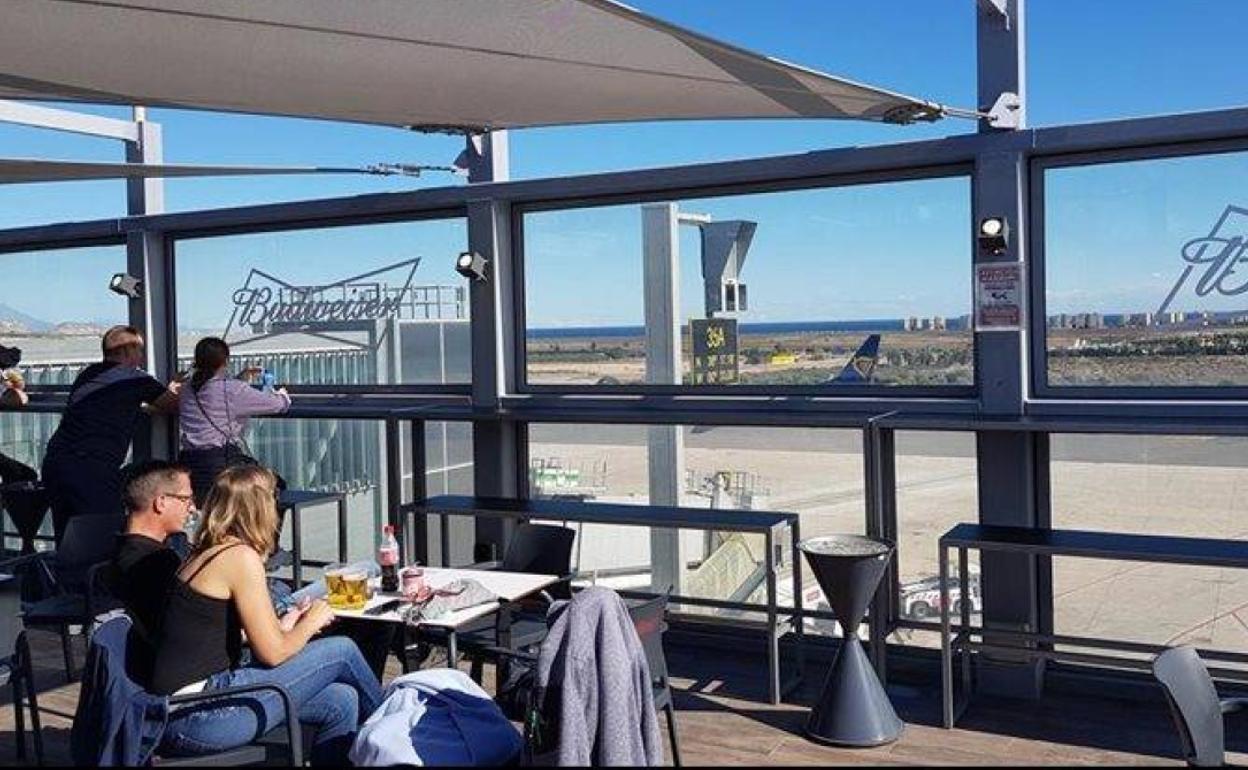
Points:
(999, 297)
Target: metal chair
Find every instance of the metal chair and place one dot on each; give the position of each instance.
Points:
(74, 574)
(15, 668)
(1195, 705)
(539, 715)
(536, 549)
(650, 620)
(108, 648)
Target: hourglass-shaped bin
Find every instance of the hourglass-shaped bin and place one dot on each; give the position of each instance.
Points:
(853, 710)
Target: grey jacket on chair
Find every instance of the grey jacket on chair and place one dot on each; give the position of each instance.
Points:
(594, 660)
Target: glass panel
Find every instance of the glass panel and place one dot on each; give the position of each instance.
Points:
(936, 489)
(869, 283)
(1143, 285)
(59, 331)
(1187, 486)
(813, 472)
(370, 304)
(328, 456)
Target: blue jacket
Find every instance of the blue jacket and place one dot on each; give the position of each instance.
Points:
(117, 721)
(436, 717)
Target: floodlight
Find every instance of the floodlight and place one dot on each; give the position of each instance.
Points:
(471, 266)
(126, 286)
(993, 235)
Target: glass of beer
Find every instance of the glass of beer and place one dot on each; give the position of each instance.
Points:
(347, 587)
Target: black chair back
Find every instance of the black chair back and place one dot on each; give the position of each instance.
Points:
(1194, 704)
(650, 620)
(541, 549)
(88, 540)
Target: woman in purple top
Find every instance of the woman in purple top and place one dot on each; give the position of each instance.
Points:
(213, 416)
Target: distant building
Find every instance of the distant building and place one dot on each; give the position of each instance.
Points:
(938, 323)
(1173, 317)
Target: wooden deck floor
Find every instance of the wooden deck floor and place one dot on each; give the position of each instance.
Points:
(723, 720)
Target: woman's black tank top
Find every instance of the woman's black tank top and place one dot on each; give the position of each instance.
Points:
(201, 636)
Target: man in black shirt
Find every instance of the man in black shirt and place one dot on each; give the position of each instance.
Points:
(159, 500)
(106, 401)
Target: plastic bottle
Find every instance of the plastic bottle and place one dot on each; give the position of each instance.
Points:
(388, 558)
(268, 380)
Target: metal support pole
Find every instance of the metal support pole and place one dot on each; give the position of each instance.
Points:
(660, 224)
(416, 538)
(1006, 461)
(497, 453)
(149, 260)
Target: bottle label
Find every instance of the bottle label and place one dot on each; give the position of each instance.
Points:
(388, 556)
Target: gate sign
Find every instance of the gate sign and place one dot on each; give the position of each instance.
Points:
(714, 346)
(999, 296)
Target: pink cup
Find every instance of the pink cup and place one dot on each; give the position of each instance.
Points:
(413, 581)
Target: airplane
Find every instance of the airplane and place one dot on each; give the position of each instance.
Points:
(861, 365)
(858, 371)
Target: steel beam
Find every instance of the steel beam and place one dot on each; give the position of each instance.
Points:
(148, 259)
(1006, 461)
(24, 114)
(497, 447)
(665, 456)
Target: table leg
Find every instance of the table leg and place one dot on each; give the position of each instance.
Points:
(452, 649)
(773, 641)
(296, 549)
(964, 595)
(946, 655)
(342, 528)
(799, 601)
(503, 639)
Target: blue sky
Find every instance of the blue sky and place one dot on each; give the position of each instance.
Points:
(1087, 61)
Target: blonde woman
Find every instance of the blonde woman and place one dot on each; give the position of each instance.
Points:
(221, 593)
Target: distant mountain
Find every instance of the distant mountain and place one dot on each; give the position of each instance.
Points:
(80, 329)
(12, 320)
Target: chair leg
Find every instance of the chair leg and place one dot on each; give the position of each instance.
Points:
(28, 676)
(68, 650)
(19, 721)
(477, 672)
(671, 730)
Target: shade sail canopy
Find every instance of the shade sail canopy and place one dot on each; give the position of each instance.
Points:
(19, 170)
(465, 64)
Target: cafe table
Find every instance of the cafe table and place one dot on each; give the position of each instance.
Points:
(509, 587)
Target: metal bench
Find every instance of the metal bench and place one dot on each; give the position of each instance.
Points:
(1062, 542)
(770, 525)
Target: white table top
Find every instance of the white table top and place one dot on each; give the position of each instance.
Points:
(508, 586)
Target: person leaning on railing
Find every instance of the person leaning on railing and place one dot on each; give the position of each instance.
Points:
(213, 415)
(82, 467)
(13, 390)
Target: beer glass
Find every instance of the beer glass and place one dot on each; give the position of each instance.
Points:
(347, 586)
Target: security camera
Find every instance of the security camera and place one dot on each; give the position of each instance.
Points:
(471, 266)
(126, 286)
(993, 235)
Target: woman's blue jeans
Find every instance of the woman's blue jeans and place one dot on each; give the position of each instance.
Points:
(332, 687)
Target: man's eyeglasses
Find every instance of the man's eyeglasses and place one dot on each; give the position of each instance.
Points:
(183, 498)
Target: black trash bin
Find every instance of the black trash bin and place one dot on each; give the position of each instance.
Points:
(853, 710)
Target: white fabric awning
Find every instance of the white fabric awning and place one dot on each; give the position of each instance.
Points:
(463, 64)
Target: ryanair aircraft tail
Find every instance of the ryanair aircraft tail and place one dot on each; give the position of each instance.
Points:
(862, 365)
